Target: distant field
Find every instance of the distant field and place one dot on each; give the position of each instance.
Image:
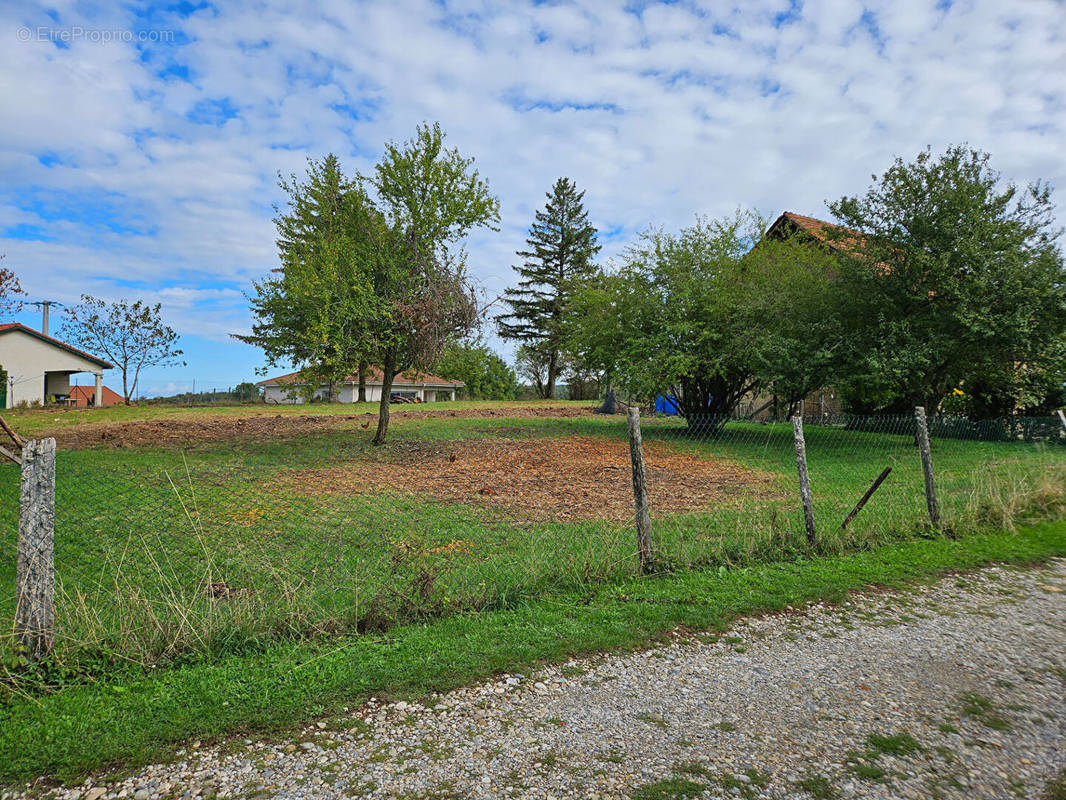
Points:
(48, 421)
(191, 533)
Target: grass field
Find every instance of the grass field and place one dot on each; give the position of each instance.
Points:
(139, 716)
(31, 422)
(232, 545)
(198, 552)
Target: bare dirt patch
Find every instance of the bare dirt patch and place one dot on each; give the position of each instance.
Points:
(561, 478)
(184, 432)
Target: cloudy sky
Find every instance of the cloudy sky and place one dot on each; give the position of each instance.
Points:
(140, 147)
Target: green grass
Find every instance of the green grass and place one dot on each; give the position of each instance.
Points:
(1055, 788)
(143, 535)
(819, 787)
(135, 717)
(984, 710)
(669, 789)
(899, 744)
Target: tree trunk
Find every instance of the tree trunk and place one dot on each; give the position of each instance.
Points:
(388, 370)
(362, 382)
(553, 365)
(125, 388)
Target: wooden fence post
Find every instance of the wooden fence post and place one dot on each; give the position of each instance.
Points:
(35, 573)
(640, 490)
(1062, 419)
(927, 467)
(804, 478)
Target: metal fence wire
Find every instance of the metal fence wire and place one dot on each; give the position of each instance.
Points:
(163, 553)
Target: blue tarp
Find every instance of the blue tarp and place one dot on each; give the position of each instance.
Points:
(667, 404)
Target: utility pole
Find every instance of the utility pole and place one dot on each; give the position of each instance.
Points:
(45, 306)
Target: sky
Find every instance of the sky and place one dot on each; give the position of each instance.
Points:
(140, 144)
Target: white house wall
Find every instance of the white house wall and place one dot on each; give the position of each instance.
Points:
(349, 392)
(27, 358)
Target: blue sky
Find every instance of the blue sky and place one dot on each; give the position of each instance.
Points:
(140, 146)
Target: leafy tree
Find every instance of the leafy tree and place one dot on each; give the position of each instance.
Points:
(955, 284)
(247, 392)
(429, 198)
(787, 292)
(667, 320)
(486, 375)
(561, 246)
(318, 309)
(710, 315)
(131, 336)
(531, 364)
(377, 278)
(10, 290)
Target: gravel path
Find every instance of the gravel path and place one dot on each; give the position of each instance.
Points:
(956, 690)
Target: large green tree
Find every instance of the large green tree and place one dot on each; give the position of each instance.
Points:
(319, 307)
(953, 281)
(710, 314)
(665, 321)
(430, 198)
(558, 259)
(372, 267)
(486, 375)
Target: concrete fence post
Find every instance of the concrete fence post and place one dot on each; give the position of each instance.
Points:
(804, 478)
(640, 490)
(927, 467)
(35, 573)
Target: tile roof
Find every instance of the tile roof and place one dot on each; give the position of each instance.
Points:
(820, 229)
(85, 393)
(18, 326)
(374, 375)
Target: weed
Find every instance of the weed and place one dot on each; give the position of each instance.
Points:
(818, 786)
(1055, 788)
(900, 744)
(653, 719)
(862, 766)
(984, 711)
(692, 768)
(669, 789)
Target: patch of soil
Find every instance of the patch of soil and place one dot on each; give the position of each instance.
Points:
(560, 478)
(185, 432)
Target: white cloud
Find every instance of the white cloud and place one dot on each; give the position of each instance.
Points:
(681, 109)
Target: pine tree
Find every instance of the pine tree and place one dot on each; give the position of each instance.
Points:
(561, 246)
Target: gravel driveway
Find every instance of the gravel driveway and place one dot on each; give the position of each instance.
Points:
(955, 690)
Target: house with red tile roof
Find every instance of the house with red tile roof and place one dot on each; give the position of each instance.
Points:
(410, 385)
(85, 396)
(39, 367)
(835, 237)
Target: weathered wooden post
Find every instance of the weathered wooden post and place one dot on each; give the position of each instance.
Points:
(640, 490)
(804, 478)
(35, 573)
(927, 467)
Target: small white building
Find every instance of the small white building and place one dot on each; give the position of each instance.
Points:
(412, 385)
(39, 367)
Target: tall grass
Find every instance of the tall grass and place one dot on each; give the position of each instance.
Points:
(163, 557)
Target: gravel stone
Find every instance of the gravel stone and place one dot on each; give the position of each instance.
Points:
(972, 667)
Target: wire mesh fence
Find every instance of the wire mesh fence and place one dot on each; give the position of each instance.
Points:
(163, 553)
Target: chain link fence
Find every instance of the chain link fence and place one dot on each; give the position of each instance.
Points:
(238, 542)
